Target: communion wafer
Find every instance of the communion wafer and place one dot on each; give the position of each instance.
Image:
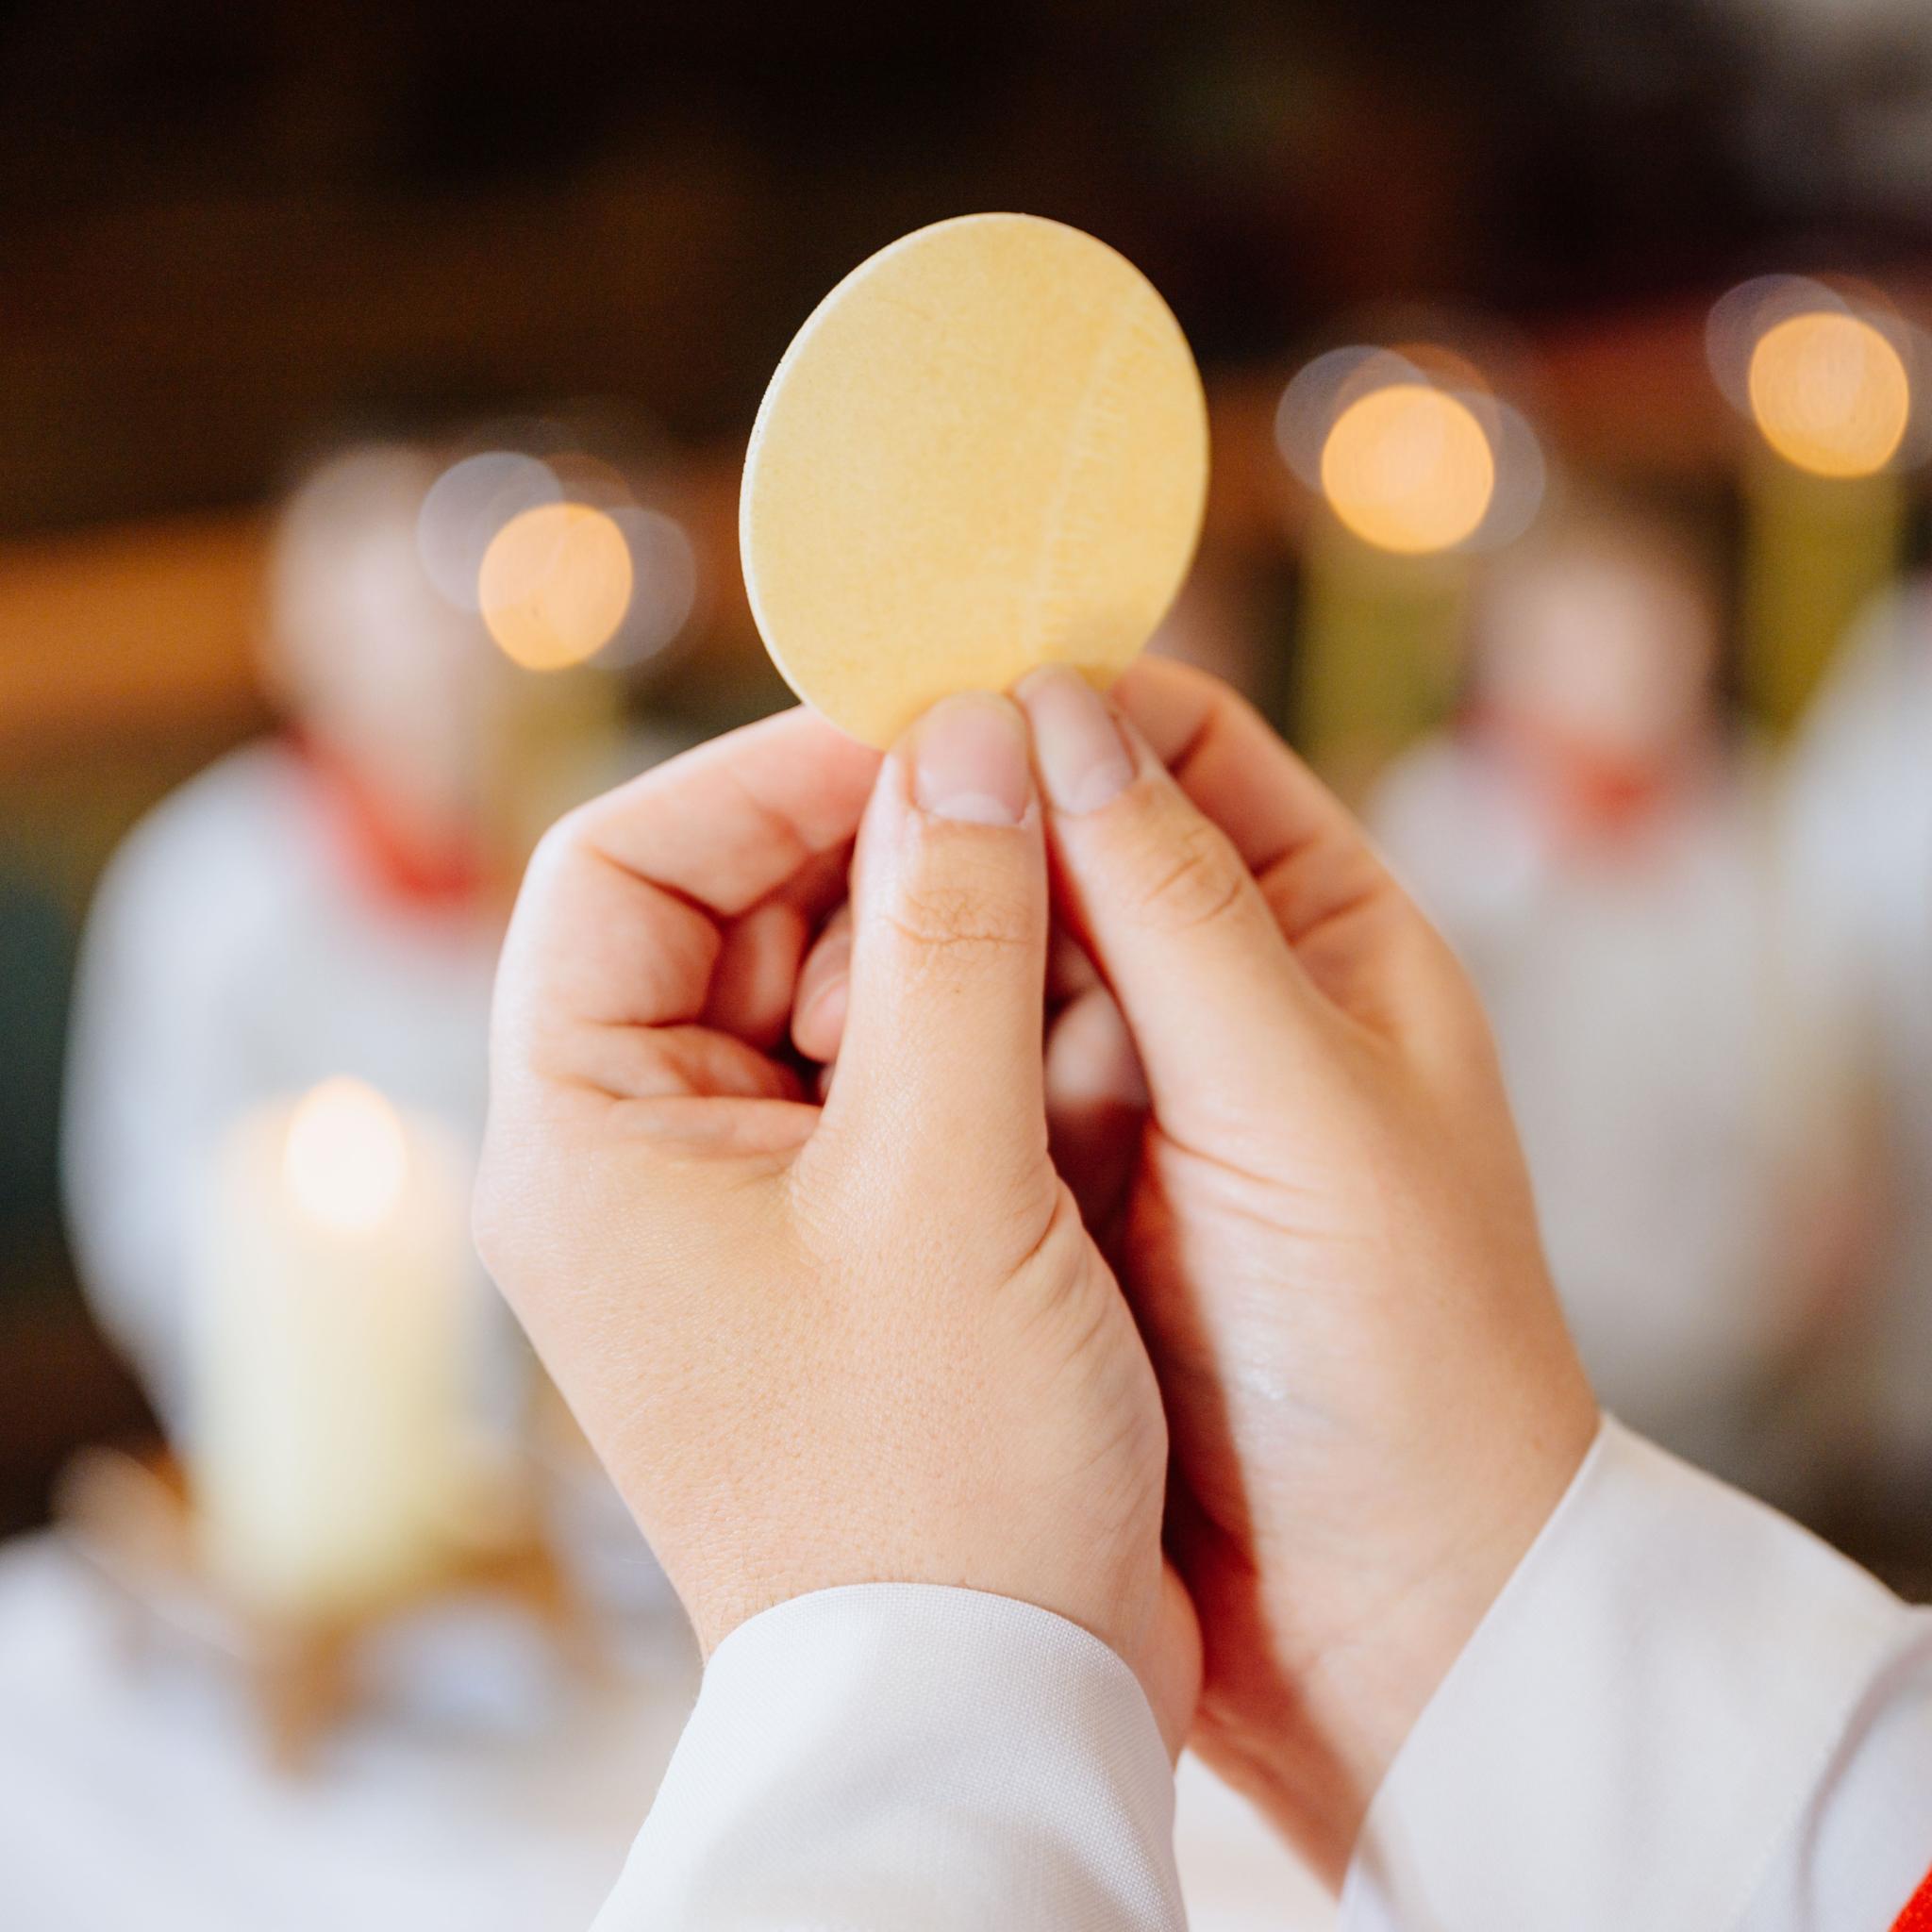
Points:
(986, 450)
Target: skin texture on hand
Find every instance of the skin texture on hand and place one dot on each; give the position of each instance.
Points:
(1281, 1110)
(821, 1345)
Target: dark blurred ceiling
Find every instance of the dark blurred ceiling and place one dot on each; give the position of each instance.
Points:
(231, 227)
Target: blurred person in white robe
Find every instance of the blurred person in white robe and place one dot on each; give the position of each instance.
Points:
(316, 903)
(1599, 849)
(1858, 825)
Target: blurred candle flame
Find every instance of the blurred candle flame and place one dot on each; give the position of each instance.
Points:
(345, 1158)
(1409, 469)
(1829, 393)
(554, 585)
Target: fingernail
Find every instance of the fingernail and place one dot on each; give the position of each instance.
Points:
(970, 761)
(824, 1011)
(825, 974)
(1083, 758)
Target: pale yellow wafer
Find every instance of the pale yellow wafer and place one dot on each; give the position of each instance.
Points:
(986, 450)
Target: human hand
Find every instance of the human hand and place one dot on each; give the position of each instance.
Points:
(867, 1341)
(1322, 1222)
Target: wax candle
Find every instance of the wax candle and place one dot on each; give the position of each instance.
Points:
(1416, 463)
(1826, 374)
(1817, 549)
(1379, 657)
(327, 1457)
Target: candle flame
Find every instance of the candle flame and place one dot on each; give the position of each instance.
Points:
(1408, 468)
(345, 1159)
(1830, 393)
(554, 585)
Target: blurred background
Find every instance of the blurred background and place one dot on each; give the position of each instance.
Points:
(374, 387)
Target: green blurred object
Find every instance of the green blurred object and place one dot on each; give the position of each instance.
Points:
(1380, 653)
(1816, 549)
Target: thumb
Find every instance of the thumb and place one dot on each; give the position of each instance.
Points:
(1173, 917)
(939, 1072)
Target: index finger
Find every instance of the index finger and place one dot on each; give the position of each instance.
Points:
(1312, 860)
(732, 820)
(617, 922)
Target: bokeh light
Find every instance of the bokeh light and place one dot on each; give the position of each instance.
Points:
(1408, 468)
(1411, 449)
(345, 1161)
(554, 585)
(466, 506)
(664, 584)
(1829, 393)
(1826, 369)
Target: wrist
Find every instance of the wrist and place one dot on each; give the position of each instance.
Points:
(1133, 1604)
(1315, 1682)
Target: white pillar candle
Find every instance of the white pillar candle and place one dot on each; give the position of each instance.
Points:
(327, 1457)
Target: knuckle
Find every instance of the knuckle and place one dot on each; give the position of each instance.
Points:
(970, 912)
(550, 867)
(956, 924)
(1190, 876)
(562, 838)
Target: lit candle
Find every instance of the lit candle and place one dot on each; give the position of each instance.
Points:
(329, 1451)
(1415, 464)
(1826, 377)
(1817, 549)
(1379, 657)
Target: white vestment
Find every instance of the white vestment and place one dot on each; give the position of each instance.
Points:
(1653, 1050)
(236, 952)
(1859, 857)
(1683, 1714)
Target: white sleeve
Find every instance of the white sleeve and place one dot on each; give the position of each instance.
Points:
(892, 1756)
(1684, 1713)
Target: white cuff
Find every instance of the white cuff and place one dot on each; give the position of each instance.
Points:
(1643, 1721)
(890, 1755)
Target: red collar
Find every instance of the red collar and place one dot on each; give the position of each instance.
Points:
(1592, 798)
(394, 867)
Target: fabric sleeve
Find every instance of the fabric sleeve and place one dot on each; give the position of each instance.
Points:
(1684, 1713)
(888, 1755)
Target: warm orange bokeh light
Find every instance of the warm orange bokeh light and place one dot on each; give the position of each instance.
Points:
(554, 585)
(1408, 468)
(1830, 393)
